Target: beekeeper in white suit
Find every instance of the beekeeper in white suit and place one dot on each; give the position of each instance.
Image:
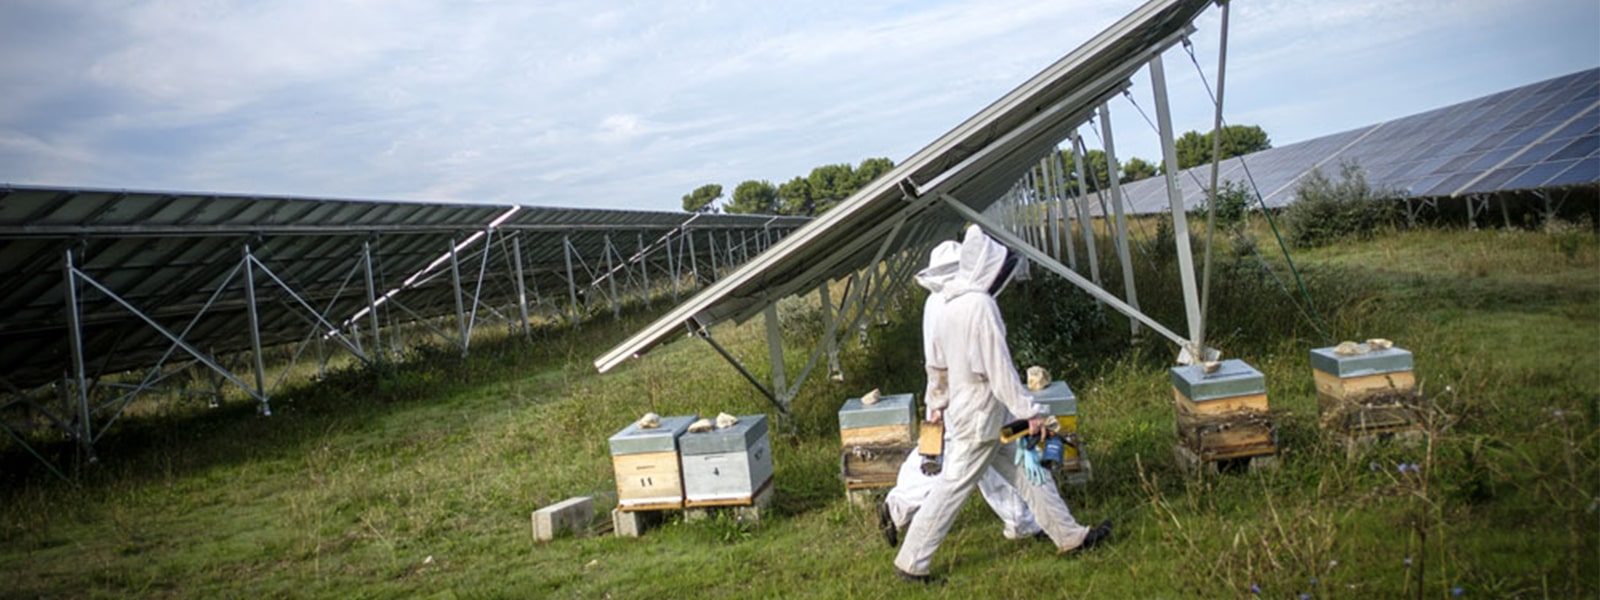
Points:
(983, 393)
(911, 486)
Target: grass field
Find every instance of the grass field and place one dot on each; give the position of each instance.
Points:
(416, 480)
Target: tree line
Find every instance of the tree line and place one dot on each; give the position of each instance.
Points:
(828, 185)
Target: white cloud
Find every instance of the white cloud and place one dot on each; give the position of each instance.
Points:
(632, 105)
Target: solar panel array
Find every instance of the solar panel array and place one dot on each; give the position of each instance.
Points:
(1539, 136)
(177, 259)
(975, 163)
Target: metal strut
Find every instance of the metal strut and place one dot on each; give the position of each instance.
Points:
(705, 334)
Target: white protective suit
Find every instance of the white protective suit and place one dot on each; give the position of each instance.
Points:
(984, 394)
(911, 486)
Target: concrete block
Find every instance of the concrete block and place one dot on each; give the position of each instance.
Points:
(633, 523)
(572, 514)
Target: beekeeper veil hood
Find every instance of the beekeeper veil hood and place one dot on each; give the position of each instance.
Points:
(984, 265)
(942, 265)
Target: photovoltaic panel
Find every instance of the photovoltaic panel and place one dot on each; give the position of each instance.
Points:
(176, 258)
(976, 163)
(1545, 134)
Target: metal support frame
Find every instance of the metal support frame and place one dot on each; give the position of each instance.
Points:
(455, 284)
(522, 290)
(1121, 232)
(1059, 162)
(1052, 205)
(1216, 164)
(1180, 222)
(616, 301)
(1011, 241)
(75, 339)
(255, 330)
(704, 333)
(572, 282)
(644, 268)
(1085, 217)
(783, 391)
(780, 378)
(89, 406)
(372, 298)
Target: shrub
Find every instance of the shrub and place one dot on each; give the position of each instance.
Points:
(1233, 200)
(1325, 211)
(1045, 318)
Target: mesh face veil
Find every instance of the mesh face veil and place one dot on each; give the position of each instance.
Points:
(1007, 268)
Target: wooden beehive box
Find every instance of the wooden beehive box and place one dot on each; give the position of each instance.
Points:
(876, 439)
(1223, 414)
(1060, 402)
(647, 466)
(1367, 393)
(727, 467)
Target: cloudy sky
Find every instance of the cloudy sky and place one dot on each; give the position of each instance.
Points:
(633, 104)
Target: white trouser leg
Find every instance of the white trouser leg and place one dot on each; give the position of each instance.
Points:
(1007, 504)
(910, 488)
(1044, 500)
(964, 463)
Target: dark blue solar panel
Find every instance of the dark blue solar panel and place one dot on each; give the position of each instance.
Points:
(1582, 171)
(1517, 139)
(1460, 162)
(1494, 180)
(1491, 159)
(1581, 147)
(1451, 184)
(1424, 184)
(1537, 175)
(1583, 125)
(1525, 137)
(1566, 111)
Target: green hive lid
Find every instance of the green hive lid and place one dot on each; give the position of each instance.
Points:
(1232, 378)
(738, 438)
(1375, 362)
(898, 409)
(633, 440)
(1058, 399)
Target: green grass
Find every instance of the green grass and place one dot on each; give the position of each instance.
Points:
(420, 483)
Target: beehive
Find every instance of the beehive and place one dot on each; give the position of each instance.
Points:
(729, 466)
(1367, 393)
(1223, 414)
(647, 466)
(1060, 402)
(876, 439)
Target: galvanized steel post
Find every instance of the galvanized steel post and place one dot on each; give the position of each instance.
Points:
(1121, 232)
(1180, 222)
(255, 328)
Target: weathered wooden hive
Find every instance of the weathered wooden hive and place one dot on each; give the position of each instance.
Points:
(1224, 414)
(1369, 392)
(647, 466)
(729, 466)
(876, 438)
